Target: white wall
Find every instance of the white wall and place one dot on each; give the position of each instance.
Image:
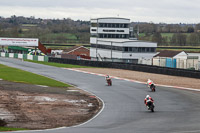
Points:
(30, 57)
(138, 55)
(145, 61)
(11, 55)
(40, 58)
(139, 44)
(92, 52)
(192, 63)
(3, 54)
(93, 20)
(95, 28)
(20, 56)
(194, 54)
(93, 40)
(105, 53)
(159, 61)
(118, 54)
(181, 55)
(126, 43)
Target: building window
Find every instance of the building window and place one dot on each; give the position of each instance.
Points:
(125, 25)
(126, 49)
(147, 50)
(143, 49)
(94, 35)
(111, 25)
(94, 24)
(152, 49)
(139, 50)
(130, 49)
(134, 49)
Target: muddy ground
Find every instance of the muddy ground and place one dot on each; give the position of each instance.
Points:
(40, 107)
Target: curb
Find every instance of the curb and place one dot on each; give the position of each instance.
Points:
(135, 81)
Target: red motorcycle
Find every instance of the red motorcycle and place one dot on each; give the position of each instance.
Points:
(151, 106)
(109, 82)
(153, 87)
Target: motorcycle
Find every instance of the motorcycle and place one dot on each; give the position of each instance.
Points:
(153, 87)
(150, 106)
(109, 82)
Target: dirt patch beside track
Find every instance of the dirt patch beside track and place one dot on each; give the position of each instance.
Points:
(142, 76)
(40, 107)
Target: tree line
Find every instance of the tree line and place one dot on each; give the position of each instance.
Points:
(179, 34)
(45, 28)
(55, 30)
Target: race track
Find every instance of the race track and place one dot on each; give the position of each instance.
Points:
(176, 111)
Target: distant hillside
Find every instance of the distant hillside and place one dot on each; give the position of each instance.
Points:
(68, 31)
(47, 30)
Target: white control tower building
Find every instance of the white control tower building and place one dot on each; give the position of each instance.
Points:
(110, 41)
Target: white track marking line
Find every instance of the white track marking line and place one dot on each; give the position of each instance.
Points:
(195, 131)
(135, 81)
(42, 85)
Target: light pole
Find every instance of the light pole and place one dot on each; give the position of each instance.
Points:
(111, 51)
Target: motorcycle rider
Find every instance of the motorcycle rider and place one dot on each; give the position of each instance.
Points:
(148, 99)
(107, 77)
(149, 82)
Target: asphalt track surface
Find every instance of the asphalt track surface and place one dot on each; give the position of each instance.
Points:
(176, 111)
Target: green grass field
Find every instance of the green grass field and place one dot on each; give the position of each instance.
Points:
(186, 50)
(11, 129)
(29, 25)
(59, 64)
(17, 75)
(167, 34)
(56, 35)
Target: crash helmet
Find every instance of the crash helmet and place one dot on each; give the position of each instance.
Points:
(107, 76)
(147, 96)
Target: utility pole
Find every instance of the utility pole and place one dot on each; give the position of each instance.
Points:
(111, 52)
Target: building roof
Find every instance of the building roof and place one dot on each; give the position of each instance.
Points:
(167, 53)
(120, 40)
(109, 18)
(73, 49)
(18, 48)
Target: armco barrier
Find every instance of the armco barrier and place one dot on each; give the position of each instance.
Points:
(135, 67)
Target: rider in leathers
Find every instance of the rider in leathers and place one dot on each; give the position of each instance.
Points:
(147, 99)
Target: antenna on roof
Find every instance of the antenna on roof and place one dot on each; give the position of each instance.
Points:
(138, 31)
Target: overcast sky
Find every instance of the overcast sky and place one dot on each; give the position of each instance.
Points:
(168, 11)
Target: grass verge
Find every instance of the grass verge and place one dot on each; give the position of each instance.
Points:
(17, 75)
(59, 64)
(11, 129)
